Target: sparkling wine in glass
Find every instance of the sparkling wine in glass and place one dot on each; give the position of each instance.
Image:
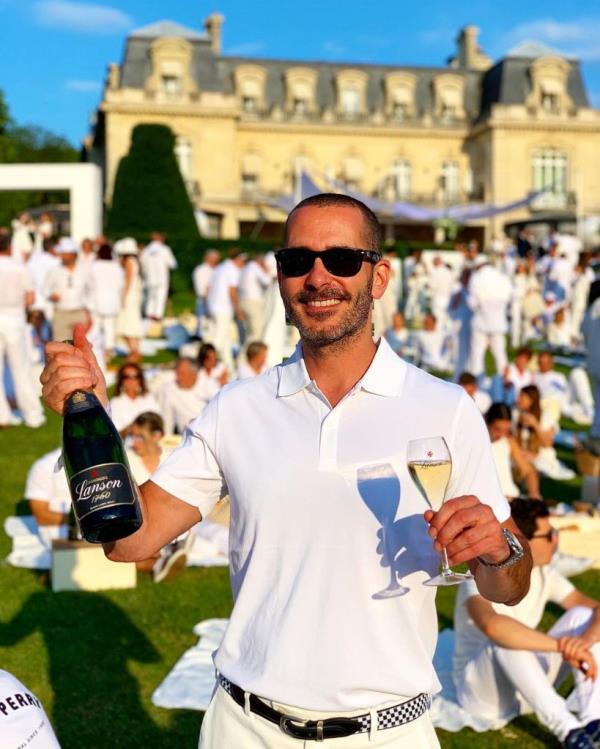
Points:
(430, 466)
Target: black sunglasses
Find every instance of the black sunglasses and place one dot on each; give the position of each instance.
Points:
(339, 261)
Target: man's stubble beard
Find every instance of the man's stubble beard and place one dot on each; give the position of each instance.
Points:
(346, 330)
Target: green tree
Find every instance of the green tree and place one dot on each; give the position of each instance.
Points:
(149, 192)
(29, 144)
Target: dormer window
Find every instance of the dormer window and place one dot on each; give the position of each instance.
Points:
(448, 91)
(171, 84)
(351, 88)
(300, 107)
(550, 103)
(250, 88)
(400, 111)
(350, 102)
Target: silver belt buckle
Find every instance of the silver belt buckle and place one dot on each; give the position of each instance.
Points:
(285, 720)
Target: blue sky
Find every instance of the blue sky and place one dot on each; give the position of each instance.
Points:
(55, 52)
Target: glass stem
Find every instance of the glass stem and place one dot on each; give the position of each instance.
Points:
(445, 566)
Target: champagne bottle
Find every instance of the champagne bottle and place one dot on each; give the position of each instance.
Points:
(104, 496)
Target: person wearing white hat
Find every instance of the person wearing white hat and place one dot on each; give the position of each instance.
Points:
(68, 287)
(157, 261)
(129, 321)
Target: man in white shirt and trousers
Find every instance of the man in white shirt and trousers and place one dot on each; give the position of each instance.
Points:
(254, 282)
(490, 292)
(68, 287)
(157, 261)
(313, 455)
(201, 276)
(16, 294)
(223, 304)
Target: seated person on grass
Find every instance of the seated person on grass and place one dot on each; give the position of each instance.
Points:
(47, 492)
(508, 456)
(501, 657)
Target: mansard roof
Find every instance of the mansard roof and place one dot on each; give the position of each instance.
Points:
(506, 82)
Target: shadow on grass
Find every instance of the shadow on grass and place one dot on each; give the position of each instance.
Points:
(90, 642)
(532, 728)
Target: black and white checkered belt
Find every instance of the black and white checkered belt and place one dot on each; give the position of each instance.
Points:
(329, 728)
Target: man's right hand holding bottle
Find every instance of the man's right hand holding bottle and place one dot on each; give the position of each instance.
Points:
(69, 368)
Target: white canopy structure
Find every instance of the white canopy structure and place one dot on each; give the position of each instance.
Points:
(84, 182)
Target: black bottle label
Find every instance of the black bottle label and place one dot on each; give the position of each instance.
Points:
(101, 486)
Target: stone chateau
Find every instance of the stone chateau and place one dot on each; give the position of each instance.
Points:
(475, 131)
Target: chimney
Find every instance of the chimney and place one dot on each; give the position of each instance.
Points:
(213, 26)
(469, 56)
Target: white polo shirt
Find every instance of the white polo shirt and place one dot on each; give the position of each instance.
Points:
(317, 493)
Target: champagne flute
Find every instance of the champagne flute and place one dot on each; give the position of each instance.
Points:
(430, 466)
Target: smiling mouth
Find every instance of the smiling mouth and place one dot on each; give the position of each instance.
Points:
(324, 303)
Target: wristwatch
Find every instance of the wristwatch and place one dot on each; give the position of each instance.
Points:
(516, 552)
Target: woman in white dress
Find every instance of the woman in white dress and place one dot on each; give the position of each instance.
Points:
(129, 322)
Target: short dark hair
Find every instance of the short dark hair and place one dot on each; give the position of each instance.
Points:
(5, 242)
(466, 378)
(498, 412)
(524, 351)
(372, 228)
(151, 421)
(525, 513)
(104, 252)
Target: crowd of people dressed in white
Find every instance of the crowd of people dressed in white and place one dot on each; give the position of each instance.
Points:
(442, 311)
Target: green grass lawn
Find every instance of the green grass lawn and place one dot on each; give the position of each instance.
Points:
(95, 658)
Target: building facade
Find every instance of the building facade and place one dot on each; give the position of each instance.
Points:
(472, 132)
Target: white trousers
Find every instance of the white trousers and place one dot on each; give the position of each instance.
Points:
(156, 300)
(13, 345)
(222, 339)
(516, 316)
(490, 682)
(107, 326)
(479, 343)
(579, 405)
(254, 318)
(226, 725)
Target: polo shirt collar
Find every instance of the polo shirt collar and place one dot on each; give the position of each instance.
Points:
(385, 375)
(293, 375)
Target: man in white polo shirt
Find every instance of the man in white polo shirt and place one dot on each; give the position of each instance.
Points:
(320, 645)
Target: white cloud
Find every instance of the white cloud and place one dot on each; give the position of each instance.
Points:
(331, 47)
(246, 48)
(82, 86)
(576, 38)
(83, 17)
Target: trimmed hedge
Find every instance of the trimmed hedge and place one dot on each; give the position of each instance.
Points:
(149, 193)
